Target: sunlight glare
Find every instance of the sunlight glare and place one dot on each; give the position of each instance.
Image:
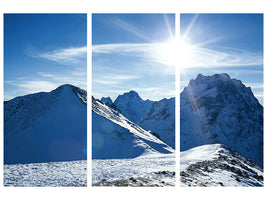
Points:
(169, 52)
(185, 53)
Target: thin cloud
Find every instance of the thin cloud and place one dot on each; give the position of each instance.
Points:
(32, 86)
(65, 56)
(150, 52)
(200, 56)
(209, 58)
(129, 28)
(113, 79)
(45, 82)
(254, 85)
(122, 48)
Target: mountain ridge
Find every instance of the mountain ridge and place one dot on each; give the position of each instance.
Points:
(114, 136)
(45, 127)
(218, 165)
(158, 117)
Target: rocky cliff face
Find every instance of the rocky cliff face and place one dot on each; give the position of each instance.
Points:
(218, 109)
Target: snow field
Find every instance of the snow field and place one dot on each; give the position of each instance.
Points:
(142, 166)
(72, 173)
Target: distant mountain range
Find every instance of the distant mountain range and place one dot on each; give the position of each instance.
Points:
(221, 130)
(157, 117)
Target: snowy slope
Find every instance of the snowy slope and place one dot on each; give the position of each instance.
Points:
(52, 174)
(46, 127)
(150, 170)
(218, 165)
(114, 136)
(218, 109)
(158, 117)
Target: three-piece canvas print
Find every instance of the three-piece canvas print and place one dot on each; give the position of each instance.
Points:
(136, 59)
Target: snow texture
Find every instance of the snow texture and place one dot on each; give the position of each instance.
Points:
(72, 173)
(218, 165)
(143, 166)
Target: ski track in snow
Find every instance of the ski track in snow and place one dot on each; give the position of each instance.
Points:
(72, 173)
(142, 166)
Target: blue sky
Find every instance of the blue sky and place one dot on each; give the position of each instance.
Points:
(43, 51)
(130, 52)
(223, 43)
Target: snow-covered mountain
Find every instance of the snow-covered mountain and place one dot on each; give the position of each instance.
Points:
(133, 106)
(218, 165)
(158, 117)
(106, 100)
(109, 103)
(114, 136)
(218, 109)
(46, 127)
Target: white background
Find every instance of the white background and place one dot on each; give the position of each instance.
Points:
(125, 6)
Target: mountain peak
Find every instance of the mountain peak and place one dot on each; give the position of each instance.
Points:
(223, 110)
(106, 100)
(132, 93)
(65, 86)
(132, 105)
(222, 76)
(129, 97)
(55, 116)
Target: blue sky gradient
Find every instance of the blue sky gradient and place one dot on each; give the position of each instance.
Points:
(224, 43)
(127, 55)
(43, 51)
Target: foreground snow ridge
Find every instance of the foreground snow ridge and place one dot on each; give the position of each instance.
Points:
(150, 170)
(72, 173)
(218, 165)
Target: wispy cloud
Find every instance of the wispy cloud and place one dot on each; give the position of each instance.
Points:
(122, 48)
(65, 56)
(254, 85)
(32, 86)
(113, 79)
(45, 82)
(224, 57)
(129, 28)
(160, 53)
(199, 56)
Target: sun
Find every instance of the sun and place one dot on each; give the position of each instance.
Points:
(168, 52)
(176, 53)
